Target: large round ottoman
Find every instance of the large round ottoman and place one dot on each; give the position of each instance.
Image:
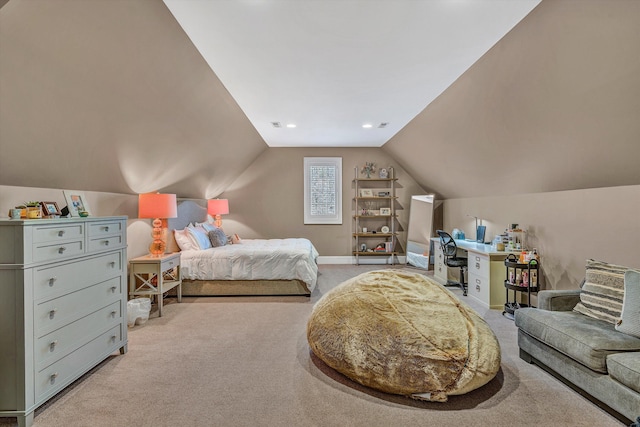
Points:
(403, 333)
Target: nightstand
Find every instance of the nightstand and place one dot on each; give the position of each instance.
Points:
(155, 275)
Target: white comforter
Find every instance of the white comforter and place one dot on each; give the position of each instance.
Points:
(254, 259)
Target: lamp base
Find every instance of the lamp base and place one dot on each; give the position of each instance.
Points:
(218, 221)
(158, 245)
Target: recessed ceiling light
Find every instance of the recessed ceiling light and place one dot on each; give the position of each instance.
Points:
(367, 125)
(291, 125)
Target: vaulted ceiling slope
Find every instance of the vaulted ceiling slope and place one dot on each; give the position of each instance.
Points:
(330, 67)
(554, 105)
(113, 96)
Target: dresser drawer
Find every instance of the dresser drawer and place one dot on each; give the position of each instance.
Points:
(58, 233)
(479, 287)
(478, 264)
(53, 378)
(97, 229)
(47, 252)
(64, 278)
(51, 347)
(53, 314)
(106, 242)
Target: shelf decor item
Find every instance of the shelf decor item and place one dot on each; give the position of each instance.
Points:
(76, 203)
(368, 169)
(50, 209)
(159, 207)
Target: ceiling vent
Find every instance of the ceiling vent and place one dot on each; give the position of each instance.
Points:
(383, 125)
(276, 124)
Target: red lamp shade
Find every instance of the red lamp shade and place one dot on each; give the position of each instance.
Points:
(217, 207)
(156, 205)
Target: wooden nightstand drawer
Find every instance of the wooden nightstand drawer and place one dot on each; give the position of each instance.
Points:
(58, 312)
(51, 347)
(64, 278)
(53, 378)
(58, 233)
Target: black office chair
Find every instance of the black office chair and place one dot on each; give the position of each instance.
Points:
(451, 258)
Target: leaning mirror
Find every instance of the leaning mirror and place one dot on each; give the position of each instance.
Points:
(420, 230)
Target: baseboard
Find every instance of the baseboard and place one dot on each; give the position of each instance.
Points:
(349, 260)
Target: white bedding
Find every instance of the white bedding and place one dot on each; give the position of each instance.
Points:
(254, 259)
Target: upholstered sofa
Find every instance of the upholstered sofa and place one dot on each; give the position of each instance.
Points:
(590, 354)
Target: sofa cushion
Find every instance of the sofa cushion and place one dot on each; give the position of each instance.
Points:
(629, 322)
(602, 292)
(588, 341)
(625, 368)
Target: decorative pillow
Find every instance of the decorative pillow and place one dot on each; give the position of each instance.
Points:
(629, 322)
(184, 240)
(199, 235)
(602, 292)
(217, 238)
(235, 239)
(207, 226)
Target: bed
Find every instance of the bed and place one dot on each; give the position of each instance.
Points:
(252, 267)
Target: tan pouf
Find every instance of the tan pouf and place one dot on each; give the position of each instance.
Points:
(403, 333)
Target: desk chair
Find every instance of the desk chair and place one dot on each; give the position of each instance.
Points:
(451, 258)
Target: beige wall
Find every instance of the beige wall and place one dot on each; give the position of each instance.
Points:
(112, 96)
(567, 227)
(266, 201)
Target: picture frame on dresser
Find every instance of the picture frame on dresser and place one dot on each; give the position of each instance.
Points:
(76, 202)
(50, 208)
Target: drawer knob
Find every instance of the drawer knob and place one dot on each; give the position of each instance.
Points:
(113, 289)
(60, 233)
(52, 280)
(112, 263)
(113, 338)
(477, 258)
(478, 288)
(53, 377)
(61, 249)
(478, 265)
(52, 313)
(53, 344)
(113, 314)
(478, 281)
(106, 228)
(105, 242)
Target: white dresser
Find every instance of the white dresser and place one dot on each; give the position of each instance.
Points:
(63, 296)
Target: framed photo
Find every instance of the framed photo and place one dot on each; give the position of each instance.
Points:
(76, 202)
(366, 192)
(385, 211)
(50, 208)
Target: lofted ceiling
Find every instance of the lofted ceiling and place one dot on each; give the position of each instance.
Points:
(330, 67)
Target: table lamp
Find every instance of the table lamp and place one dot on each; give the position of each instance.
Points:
(159, 207)
(216, 208)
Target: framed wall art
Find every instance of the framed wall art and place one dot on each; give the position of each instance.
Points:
(76, 202)
(385, 211)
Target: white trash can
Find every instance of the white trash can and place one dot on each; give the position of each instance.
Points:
(138, 311)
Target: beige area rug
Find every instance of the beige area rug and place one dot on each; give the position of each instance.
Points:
(245, 361)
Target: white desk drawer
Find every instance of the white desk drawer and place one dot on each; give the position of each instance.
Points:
(478, 264)
(57, 233)
(61, 250)
(51, 347)
(56, 313)
(49, 282)
(53, 378)
(479, 287)
(103, 243)
(105, 228)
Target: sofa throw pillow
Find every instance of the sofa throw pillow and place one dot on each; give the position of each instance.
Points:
(602, 292)
(217, 237)
(629, 322)
(199, 235)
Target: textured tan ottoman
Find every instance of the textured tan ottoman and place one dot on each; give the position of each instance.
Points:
(403, 333)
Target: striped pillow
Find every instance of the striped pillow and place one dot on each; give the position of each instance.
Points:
(602, 292)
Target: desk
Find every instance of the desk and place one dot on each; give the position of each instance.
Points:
(485, 272)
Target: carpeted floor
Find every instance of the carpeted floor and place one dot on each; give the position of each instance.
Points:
(244, 361)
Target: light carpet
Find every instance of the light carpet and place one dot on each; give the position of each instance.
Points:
(245, 361)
